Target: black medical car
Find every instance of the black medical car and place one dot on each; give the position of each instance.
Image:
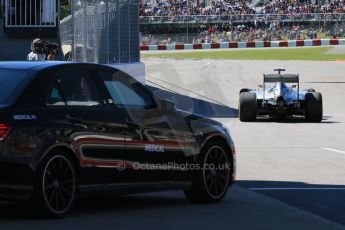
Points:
(68, 129)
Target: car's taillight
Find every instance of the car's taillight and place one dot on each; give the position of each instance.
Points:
(4, 131)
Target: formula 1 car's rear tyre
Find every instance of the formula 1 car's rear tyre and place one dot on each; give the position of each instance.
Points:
(56, 186)
(247, 107)
(244, 90)
(311, 90)
(211, 182)
(313, 107)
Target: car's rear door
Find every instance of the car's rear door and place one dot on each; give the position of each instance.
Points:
(75, 101)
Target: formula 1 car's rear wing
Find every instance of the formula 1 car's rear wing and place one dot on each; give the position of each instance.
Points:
(284, 78)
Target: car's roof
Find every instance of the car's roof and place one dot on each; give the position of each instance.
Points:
(35, 65)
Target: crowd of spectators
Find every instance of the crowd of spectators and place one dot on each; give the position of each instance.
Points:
(194, 7)
(302, 7)
(259, 29)
(272, 31)
(238, 7)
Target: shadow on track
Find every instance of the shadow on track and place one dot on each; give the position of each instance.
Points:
(325, 200)
(128, 203)
(207, 107)
(103, 204)
(294, 120)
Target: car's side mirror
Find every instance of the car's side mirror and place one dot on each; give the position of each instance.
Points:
(167, 105)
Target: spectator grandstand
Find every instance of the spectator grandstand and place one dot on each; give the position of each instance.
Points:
(211, 21)
(194, 7)
(243, 33)
(235, 7)
(302, 7)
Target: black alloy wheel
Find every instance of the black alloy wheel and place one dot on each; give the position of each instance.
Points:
(210, 183)
(55, 189)
(216, 172)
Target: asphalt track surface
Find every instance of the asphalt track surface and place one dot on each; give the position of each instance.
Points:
(290, 174)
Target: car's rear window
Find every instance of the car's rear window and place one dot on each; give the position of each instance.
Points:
(11, 81)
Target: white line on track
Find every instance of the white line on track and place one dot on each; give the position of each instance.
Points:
(334, 150)
(272, 189)
(277, 147)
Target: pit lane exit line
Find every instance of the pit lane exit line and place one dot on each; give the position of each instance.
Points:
(272, 189)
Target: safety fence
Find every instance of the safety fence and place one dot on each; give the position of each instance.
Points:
(247, 28)
(201, 19)
(102, 31)
(251, 44)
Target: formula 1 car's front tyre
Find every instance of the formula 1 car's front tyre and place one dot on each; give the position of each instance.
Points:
(313, 107)
(311, 90)
(247, 107)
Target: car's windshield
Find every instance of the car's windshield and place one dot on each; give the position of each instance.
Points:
(10, 82)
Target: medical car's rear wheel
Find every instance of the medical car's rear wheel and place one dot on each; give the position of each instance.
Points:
(211, 181)
(56, 186)
(311, 90)
(313, 107)
(247, 107)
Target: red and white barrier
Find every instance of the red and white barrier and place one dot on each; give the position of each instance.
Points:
(252, 44)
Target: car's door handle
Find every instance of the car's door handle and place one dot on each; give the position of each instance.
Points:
(74, 119)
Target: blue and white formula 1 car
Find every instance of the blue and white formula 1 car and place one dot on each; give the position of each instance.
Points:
(280, 95)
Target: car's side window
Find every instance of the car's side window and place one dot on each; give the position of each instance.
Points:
(74, 88)
(125, 94)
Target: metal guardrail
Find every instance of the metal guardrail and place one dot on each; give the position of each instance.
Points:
(193, 19)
